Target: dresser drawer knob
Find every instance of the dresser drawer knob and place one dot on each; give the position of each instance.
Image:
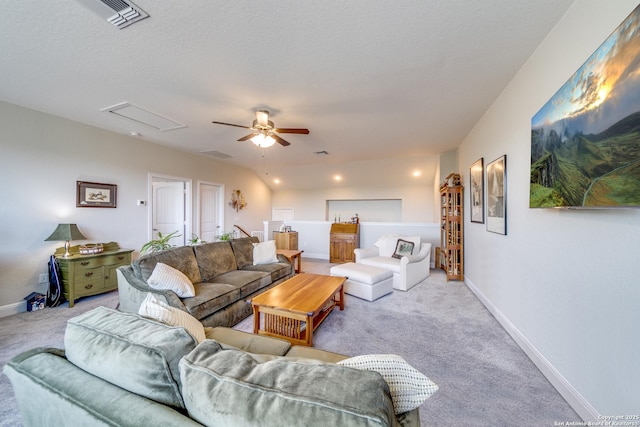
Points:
(89, 286)
(88, 274)
(121, 257)
(85, 263)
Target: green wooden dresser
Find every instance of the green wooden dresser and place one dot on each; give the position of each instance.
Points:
(84, 275)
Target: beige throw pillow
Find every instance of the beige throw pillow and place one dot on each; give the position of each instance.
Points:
(164, 277)
(155, 309)
(264, 253)
(409, 387)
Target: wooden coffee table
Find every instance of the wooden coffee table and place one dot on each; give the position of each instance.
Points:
(293, 309)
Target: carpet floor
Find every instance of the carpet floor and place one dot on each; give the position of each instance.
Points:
(440, 328)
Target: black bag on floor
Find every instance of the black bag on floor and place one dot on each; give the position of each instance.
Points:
(54, 293)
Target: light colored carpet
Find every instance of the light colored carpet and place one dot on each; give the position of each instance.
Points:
(440, 328)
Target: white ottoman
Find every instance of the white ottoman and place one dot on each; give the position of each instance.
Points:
(364, 281)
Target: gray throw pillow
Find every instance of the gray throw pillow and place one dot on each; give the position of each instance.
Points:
(137, 354)
(231, 387)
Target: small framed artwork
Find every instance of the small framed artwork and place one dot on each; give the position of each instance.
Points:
(497, 195)
(95, 195)
(476, 172)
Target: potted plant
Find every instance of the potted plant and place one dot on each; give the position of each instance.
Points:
(159, 244)
(226, 236)
(195, 240)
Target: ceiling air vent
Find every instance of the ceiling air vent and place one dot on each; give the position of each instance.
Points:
(217, 154)
(119, 13)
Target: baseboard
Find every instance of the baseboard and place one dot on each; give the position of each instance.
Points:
(579, 404)
(11, 309)
(314, 255)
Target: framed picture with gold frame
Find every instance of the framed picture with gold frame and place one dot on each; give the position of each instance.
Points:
(95, 195)
(497, 195)
(476, 175)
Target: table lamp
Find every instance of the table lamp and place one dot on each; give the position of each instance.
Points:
(65, 233)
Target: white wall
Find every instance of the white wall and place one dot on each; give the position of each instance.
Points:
(42, 157)
(563, 282)
(313, 236)
(311, 205)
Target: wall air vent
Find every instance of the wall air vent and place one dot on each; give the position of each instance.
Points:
(119, 13)
(137, 114)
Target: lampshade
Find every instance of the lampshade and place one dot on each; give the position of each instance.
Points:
(263, 141)
(64, 233)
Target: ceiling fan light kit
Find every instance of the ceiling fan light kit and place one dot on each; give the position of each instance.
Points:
(263, 140)
(264, 133)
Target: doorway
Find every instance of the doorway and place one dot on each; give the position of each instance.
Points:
(210, 211)
(170, 208)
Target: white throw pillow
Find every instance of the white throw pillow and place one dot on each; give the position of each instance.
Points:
(387, 244)
(164, 277)
(264, 253)
(409, 387)
(155, 309)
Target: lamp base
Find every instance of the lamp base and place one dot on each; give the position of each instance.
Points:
(67, 245)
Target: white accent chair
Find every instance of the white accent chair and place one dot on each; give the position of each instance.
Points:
(408, 270)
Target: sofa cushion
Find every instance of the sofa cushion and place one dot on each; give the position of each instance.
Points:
(278, 270)
(409, 387)
(246, 280)
(215, 259)
(248, 342)
(155, 309)
(282, 391)
(210, 297)
(165, 277)
(389, 263)
(243, 250)
(181, 258)
(137, 354)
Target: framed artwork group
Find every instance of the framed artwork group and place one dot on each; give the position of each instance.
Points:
(496, 203)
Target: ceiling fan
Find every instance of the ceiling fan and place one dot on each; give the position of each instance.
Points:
(264, 134)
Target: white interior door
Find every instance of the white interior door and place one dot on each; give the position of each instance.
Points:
(210, 211)
(169, 210)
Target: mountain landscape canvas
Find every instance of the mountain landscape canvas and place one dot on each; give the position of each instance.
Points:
(585, 141)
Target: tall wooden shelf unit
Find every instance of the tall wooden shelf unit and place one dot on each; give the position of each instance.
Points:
(452, 228)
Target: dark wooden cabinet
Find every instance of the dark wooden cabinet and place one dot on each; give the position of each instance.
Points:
(343, 239)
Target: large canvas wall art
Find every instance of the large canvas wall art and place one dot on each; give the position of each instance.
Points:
(585, 141)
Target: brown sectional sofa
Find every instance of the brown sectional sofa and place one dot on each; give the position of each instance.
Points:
(223, 275)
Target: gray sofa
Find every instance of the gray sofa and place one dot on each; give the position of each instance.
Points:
(223, 275)
(121, 369)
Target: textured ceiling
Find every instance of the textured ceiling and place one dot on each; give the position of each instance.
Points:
(383, 86)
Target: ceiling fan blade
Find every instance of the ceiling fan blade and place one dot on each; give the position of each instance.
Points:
(262, 116)
(230, 124)
(244, 138)
(280, 140)
(291, 130)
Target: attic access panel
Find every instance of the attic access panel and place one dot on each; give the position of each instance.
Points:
(139, 115)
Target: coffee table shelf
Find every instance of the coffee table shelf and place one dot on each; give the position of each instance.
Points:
(286, 310)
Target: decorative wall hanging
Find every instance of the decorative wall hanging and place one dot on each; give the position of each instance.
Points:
(95, 195)
(585, 145)
(497, 196)
(237, 200)
(476, 194)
